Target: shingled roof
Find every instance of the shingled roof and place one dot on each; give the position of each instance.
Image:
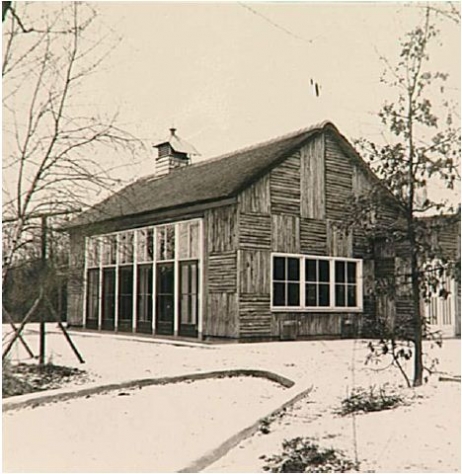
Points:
(207, 181)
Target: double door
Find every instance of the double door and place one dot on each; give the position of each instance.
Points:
(187, 298)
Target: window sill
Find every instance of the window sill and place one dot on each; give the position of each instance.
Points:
(294, 309)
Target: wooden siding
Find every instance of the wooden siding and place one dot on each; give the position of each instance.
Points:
(256, 198)
(338, 180)
(254, 231)
(285, 186)
(222, 315)
(339, 241)
(362, 247)
(255, 272)
(255, 316)
(361, 182)
(309, 324)
(221, 225)
(312, 180)
(313, 237)
(222, 273)
(75, 284)
(285, 233)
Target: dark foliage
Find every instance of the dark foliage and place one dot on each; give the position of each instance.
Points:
(303, 455)
(369, 400)
(27, 378)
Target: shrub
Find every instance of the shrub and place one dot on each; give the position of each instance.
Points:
(368, 400)
(303, 455)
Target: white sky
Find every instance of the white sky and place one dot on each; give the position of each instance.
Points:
(226, 78)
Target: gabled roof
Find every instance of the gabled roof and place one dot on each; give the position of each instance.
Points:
(207, 181)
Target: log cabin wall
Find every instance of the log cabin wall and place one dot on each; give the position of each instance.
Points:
(76, 280)
(220, 267)
(296, 208)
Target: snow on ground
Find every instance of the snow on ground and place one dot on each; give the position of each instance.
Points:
(421, 437)
(153, 429)
(424, 436)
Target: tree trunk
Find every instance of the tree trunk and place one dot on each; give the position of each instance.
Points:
(417, 318)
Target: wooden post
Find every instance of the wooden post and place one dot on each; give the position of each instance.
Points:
(23, 323)
(44, 276)
(63, 329)
(19, 336)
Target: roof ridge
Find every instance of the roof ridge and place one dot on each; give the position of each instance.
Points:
(319, 126)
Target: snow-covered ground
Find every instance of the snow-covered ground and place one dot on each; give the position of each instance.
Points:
(424, 436)
(154, 429)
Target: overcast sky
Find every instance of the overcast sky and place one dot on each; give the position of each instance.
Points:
(227, 75)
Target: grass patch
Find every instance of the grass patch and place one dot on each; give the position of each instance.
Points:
(369, 400)
(20, 379)
(304, 455)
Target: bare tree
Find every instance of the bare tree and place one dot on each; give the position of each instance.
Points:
(51, 136)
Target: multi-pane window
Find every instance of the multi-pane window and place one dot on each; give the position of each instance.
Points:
(286, 281)
(317, 286)
(145, 279)
(345, 284)
(307, 282)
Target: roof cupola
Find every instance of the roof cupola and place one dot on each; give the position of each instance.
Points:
(173, 152)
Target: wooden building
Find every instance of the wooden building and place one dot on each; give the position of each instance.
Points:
(247, 246)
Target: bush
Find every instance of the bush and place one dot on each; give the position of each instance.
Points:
(303, 455)
(368, 400)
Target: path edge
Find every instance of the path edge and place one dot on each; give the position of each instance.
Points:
(217, 453)
(41, 398)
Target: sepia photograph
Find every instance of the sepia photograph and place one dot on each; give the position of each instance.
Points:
(231, 236)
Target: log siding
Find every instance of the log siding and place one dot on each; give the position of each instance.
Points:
(285, 186)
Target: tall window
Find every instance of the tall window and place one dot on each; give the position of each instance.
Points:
(93, 298)
(307, 282)
(145, 279)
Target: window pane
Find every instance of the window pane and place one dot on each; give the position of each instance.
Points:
(160, 243)
(352, 296)
(194, 240)
(310, 270)
(323, 270)
(339, 295)
(279, 294)
(125, 293)
(293, 298)
(93, 252)
(351, 272)
(145, 243)
(339, 272)
(183, 240)
(93, 295)
(279, 270)
(324, 295)
(310, 295)
(126, 247)
(170, 245)
(109, 250)
(166, 242)
(294, 269)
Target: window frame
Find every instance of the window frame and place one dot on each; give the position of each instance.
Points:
(332, 308)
